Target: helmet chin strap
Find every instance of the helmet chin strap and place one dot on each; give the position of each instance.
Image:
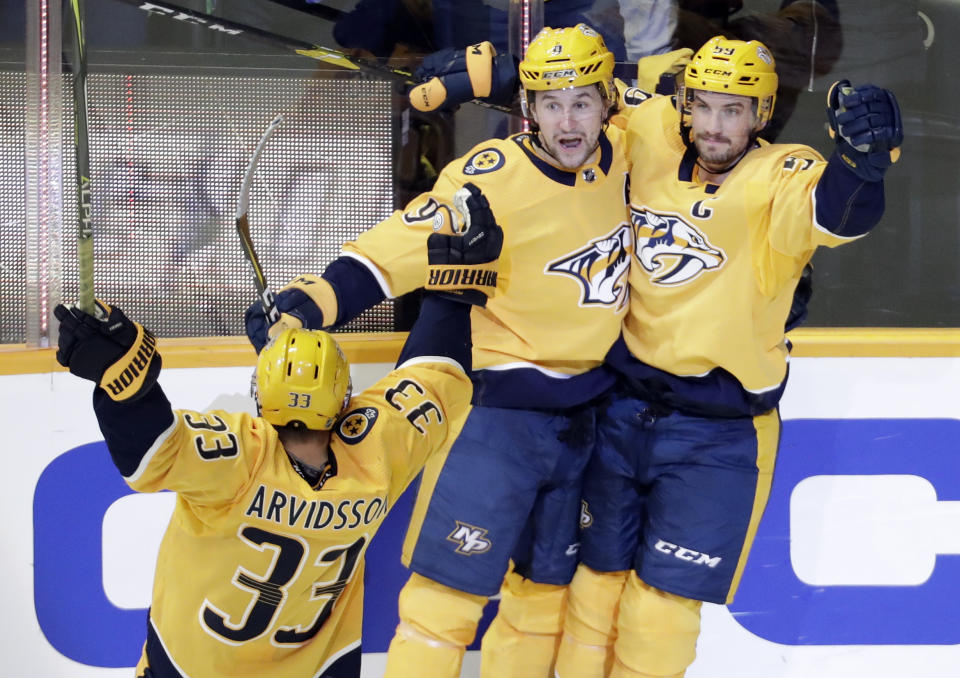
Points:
(723, 170)
(539, 144)
(535, 139)
(750, 145)
(535, 131)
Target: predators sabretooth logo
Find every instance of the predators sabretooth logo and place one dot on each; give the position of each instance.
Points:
(671, 250)
(600, 267)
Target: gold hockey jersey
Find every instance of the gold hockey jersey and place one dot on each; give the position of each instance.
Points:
(562, 281)
(279, 587)
(715, 267)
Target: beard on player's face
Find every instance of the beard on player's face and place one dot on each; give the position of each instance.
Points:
(723, 126)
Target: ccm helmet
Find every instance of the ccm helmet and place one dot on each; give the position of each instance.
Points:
(303, 380)
(731, 67)
(559, 58)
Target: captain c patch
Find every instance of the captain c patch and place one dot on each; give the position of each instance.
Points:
(355, 426)
(482, 162)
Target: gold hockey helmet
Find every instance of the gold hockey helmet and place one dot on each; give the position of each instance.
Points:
(303, 380)
(731, 67)
(559, 58)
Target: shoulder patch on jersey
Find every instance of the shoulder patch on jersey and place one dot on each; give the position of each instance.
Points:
(355, 426)
(794, 163)
(430, 211)
(483, 162)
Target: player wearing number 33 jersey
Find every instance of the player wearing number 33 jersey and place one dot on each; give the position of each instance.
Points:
(260, 571)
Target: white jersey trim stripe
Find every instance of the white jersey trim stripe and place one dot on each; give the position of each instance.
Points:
(521, 365)
(421, 359)
(145, 461)
(335, 656)
(166, 651)
(824, 229)
(748, 390)
(370, 266)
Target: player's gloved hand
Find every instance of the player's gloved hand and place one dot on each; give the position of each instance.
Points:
(629, 96)
(865, 123)
(299, 304)
(465, 264)
(657, 72)
(452, 77)
(108, 348)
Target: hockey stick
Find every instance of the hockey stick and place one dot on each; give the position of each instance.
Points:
(81, 142)
(267, 298)
(328, 55)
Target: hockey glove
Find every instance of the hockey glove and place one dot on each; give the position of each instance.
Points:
(452, 77)
(108, 348)
(658, 72)
(865, 123)
(301, 304)
(465, 264)
(629, 96)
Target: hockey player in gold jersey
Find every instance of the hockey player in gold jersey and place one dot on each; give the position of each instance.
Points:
(723, 225)
(260, 572)
(509, 487)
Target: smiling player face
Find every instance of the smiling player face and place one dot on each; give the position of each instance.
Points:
(570, 122)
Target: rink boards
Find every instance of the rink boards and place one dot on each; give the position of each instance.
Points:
(854, 570)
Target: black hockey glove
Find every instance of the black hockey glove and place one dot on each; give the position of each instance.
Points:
(465, 264)
(452, 77)
(108, 348)
(297, 309)
(865, 123)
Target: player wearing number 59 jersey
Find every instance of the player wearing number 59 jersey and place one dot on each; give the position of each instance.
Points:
(260, 572)
(723, 225)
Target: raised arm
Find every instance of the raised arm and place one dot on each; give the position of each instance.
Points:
(386, 261)
(865, 123)
(120, 357)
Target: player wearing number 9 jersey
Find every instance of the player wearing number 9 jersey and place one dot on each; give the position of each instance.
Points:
(260, 572)
(505, 498)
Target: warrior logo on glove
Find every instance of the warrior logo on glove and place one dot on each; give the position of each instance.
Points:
(465, 264)
(108, 348)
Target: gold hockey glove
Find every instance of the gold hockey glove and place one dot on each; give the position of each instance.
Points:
(653, 69)
(306, 301)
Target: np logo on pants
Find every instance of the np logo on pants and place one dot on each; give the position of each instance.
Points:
(469, 539)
